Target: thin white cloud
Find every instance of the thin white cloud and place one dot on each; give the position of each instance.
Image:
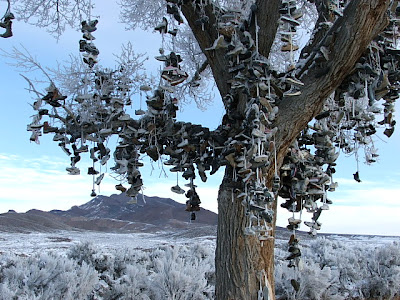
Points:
(377, 219)
(7, 157)
(37, 183)
(367, 197)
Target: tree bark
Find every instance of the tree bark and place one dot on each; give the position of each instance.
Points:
(240, 258)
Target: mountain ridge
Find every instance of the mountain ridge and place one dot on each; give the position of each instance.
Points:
(112, 213)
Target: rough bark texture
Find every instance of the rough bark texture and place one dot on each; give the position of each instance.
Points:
(240, 258)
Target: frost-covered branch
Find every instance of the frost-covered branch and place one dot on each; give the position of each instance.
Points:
(55, 17)
(23, 61)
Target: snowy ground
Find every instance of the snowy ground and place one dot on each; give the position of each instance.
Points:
(370, 240)
(21, 243)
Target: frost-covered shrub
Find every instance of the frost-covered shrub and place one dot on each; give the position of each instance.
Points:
(82, 252)
(169, 272)
(133, 284)
(46, 276)
(178, 275)
(337, 270)
(330, 270)
(315, 283)
(383, 273)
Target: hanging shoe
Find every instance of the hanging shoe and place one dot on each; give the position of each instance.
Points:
(91, 49)
(388, 131)
(296, 14)
(163, 26)
(88, 36)
(333, 186)
(293, 255)
(239, 49)
(89, 26)
(173, 32)
(104, 159)
(231, 159)
(83, 148)
(356, 176)
(293, 221)
(219, 43)
(139, 112)
(99, 179)
(92, 171)
(177, 189)
(145, 88)
(73, 171)
(292, 93)
(294, 81)
(178, 80)
(188, 173)
(90, 60)
(121, 188)
(47, 128)
(325, 206)
(172, 9)
(178, 17)
(276, 183)
(8, 33)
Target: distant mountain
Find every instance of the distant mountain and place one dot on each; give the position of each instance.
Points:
(110, 214)
(150, 210)
(115, 214)
(32, 220)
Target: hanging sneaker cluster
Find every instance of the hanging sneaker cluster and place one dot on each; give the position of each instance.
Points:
(246, 136)
(346, 123)
(193, 202)
(6, 22)
(86, 45)
(94, 114)
(304, 180)
(289, 20)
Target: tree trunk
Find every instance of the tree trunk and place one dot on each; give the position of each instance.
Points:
(240, 259)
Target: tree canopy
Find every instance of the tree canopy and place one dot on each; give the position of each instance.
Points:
(290, 108)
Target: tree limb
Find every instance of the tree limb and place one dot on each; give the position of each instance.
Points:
(362, 21)
(205, 36)
(268, 22)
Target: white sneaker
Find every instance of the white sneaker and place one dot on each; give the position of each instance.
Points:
(99, 179)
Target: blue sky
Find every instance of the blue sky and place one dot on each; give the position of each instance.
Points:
(34, 176)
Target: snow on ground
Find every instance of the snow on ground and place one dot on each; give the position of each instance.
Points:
(370, 240)
(61, 241)
(22, 243)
